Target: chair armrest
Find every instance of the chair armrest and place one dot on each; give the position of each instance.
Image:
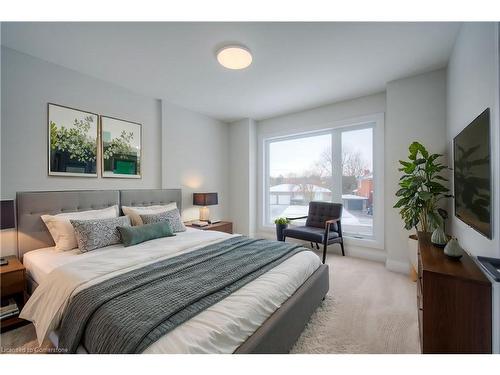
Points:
(330, 222)
(296, 218)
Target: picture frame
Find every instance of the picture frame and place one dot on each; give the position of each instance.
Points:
(73, 138)
(121, 148)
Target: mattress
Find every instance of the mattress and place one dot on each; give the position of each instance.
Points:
(40, 262)
(221, 328)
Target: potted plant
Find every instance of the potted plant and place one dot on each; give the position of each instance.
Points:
(281, 225)
(421, 190)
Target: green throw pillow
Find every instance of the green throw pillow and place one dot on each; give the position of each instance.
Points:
(134, 235)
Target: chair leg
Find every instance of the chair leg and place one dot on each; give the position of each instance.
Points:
(324, 252)
(317, 246)
(342, 247)
(312, 245)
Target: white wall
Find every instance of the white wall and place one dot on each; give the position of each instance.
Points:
(416, 111)
(181, 148)
(243, 175)
(28, 84)
(195, 158)
(310, 120)
(321, 117)
(473, 87)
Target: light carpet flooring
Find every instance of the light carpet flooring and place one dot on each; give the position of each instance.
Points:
(367, 310)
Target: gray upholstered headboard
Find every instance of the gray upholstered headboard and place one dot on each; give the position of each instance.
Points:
(33, 234)
(150, 197)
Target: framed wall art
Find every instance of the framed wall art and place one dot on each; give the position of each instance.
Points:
(73, 137)
(121, 148)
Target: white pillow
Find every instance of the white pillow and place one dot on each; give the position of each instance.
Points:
(135, 212)
(62, 231)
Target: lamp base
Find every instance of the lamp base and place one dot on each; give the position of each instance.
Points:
(204, 214)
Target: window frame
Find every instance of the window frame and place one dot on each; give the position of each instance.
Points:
(376, 122)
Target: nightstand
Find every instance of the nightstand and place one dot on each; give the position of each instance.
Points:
(13, 285)
(221, 226)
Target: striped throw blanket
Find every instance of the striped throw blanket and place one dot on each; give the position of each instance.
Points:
(129, 312)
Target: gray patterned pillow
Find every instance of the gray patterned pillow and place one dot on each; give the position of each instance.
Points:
(173, 217)
(94, 234)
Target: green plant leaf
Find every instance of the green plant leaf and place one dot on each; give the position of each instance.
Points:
(438, 177)
(420, 187)
(424, 195)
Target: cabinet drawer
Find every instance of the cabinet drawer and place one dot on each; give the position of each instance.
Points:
(12, 282)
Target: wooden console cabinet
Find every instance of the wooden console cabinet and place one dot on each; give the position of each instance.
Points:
(454, 302)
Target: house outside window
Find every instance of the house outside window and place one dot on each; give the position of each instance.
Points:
(334, 165)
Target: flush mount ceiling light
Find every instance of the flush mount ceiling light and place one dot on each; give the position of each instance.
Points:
(234, 57)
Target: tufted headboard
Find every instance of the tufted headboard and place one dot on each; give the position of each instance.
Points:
(33, 234)
(150, 197)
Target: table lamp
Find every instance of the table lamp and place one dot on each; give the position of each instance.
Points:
(205, 200)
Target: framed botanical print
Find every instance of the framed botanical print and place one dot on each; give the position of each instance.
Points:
(73, 136)
(121, 148)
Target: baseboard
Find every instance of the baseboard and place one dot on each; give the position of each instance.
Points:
(367, 253)
(397, 266)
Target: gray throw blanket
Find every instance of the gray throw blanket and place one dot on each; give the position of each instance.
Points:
(129, 312)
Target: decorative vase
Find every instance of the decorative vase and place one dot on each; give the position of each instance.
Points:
(453, 249)
(279, 231)
(438, 237)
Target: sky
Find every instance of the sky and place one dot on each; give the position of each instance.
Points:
(112, 128)
(63, 116)
(298, 155)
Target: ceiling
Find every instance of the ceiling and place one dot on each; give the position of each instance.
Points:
(296, 65)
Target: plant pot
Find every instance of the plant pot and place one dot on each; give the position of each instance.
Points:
(279, 231)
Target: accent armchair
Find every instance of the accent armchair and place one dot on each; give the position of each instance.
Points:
(322, 226)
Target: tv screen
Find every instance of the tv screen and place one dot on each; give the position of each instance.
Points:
(472, 174)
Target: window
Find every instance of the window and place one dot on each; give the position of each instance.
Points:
(298, 174)
(357, 182)
(336, 165)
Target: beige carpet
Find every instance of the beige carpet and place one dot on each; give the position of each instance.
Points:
(368, 310)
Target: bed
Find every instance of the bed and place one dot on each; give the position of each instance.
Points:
(264, 316)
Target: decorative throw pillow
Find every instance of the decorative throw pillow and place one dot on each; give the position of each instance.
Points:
(94, 234)
(135, 235)
(62, 231)
(173, 217)
(135, 212)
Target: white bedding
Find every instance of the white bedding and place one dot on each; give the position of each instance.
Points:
(222, 328)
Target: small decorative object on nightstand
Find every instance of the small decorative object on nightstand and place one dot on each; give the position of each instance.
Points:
(221, 226)
(205, 200)
(13, 287)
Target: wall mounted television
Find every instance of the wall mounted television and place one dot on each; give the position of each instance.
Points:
(472, 175)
